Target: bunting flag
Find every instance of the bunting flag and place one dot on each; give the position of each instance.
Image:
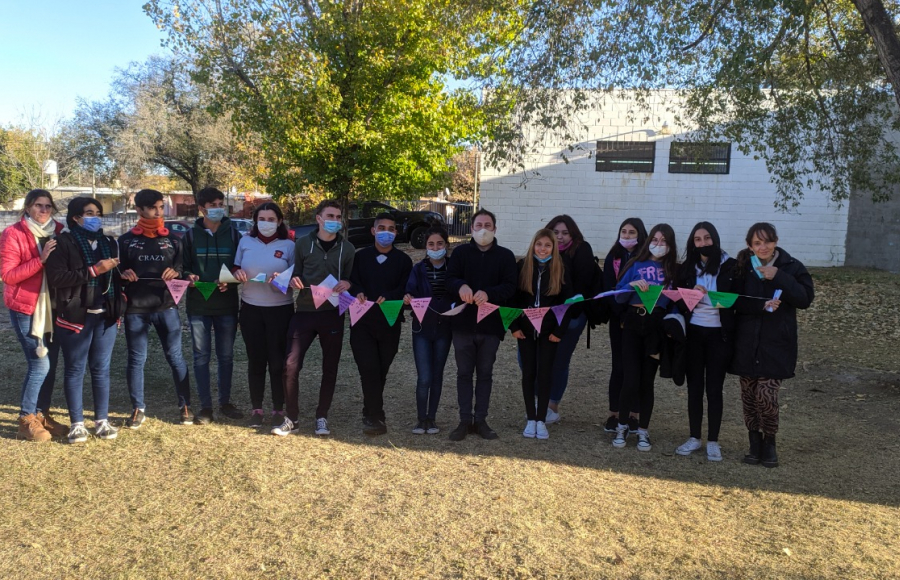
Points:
(283, 280)
(177, 288)
(261, 277)
(691, 297)
(320, 294)
(536, 316)
(507, 315)
(391, 310)
(484, 309)
(722, 299)
(672, 295)
(650, 297)
(454, 310)
(574, 299)
(419, 307)
(226, 277)
(611, 293)
(559, 312)
(205, 288)
(357, 310)
(344, 302)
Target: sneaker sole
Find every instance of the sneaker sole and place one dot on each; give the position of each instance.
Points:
(719, 458)
(685, 453)
(645, 448)
(323, 433)
(107, 437)
(79, 440)
(618, 445)
(134, 427)
(282, 433)
(189, 423)
(433, 431)
(544, 438)
(529, 435)
(417, 432)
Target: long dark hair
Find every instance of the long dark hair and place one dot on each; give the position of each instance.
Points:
(574, 231)
(282, 232)
(618, 251)
(762, 230)
(692, 258)
(669, 261)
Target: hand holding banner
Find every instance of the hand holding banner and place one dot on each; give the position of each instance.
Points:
(225, 276)
(177, 288)
(357, 310)
(283, 280)
(484, 309)
(261, 277)
(536, 317)
(650, 297)
(419, 307)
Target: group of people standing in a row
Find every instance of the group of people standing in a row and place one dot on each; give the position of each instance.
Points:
(66, 287)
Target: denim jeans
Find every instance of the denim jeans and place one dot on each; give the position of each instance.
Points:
(475, 352)
(564, 350)
(168, 327)
(92, 347)
(202, 328)
(37, 389)
(430, 351)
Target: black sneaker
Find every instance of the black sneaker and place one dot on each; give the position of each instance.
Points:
(256, 419)
(420, 428)
(633, 425)
(483, 429)
(185, 417)
(374, 426)
(136, 419)
(204, 417)
(461, 431)
(432, 428)
(230, 411)
(611, 424)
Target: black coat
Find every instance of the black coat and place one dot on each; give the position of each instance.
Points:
(523, 300)
(493, 271)
(766, 342)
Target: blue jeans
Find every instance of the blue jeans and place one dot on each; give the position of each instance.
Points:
(92, 347)
(430, 351)
(225, 327)
(564, 350)
(137, 331)
(37, 389)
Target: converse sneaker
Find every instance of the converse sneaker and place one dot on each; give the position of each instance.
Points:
(621, 435)
(643, 440)
(322, 426)
(713, 451)
(611, 423)
(530, 429)
(136, 420)
(286, 428)
(419, 429)
(689, 446)
(103, 430)
(256, 419)
(77, 433)
(432, 428)
(552, 417)
(542, 432)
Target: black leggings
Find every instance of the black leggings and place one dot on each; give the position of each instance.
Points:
(537, 355)
(264, 329)
(707, 354)
(640, 340)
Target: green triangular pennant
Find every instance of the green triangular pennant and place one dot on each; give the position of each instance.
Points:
(650, 297)
(206, 288)
(722, 299)
(574, 299)
(391, 310)
(507, 315)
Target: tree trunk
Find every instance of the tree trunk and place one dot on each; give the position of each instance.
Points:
(880, 27)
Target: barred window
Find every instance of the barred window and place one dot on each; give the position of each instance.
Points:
(709, 158)
(628, 156)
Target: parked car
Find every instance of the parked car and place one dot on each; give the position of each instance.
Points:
(411, 225)
(178, 227)
(242, 225)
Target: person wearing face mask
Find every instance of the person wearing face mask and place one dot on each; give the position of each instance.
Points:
(543, 282)
(150, 256)
(482, 272)
(24, 249)
(432, 337)
(710, 335)
(86, 287)
(655, 263)
(632, 235)
(765, 349)
(210, 244)
(266, 311)
(380, 273)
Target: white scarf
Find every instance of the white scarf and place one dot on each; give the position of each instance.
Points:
(42, 319)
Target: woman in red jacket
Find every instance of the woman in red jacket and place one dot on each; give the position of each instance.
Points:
(24, 247)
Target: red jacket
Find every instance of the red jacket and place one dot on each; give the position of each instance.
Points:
(21, 267)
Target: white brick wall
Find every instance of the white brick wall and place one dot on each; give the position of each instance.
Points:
(598, 202)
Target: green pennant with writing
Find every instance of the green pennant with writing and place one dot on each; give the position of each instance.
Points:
(206, 288)
(507, 315)
(650, 297)
(391, 310)
(722, 299)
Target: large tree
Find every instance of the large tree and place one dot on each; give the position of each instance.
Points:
(347, 95)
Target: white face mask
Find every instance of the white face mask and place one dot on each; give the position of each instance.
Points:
(483, 237)
(658, 251)
(267, 229)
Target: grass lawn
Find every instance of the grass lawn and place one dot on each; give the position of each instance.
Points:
(225, 501)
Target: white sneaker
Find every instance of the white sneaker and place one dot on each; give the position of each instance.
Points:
(689, 446)
(322, 426)
(713, 451)
(77, 433)
(286, 428)
(103, 430)
(552, 417)
(542, 432)
(643, 440)
(621, 436)
(530, 430)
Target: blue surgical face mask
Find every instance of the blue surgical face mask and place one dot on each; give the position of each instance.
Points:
(543, 260)
(92, 223)
(385, 239)
(332, 227)
(437, 254)
(215, 214)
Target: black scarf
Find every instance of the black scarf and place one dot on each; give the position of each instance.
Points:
(84, 238)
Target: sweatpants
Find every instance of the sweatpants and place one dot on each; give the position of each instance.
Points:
(264, 330)
(708, 357)
(538, 355)
(760, 400)
(305, 326)
(374, 348)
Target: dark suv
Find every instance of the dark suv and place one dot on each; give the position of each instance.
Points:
(411, 225)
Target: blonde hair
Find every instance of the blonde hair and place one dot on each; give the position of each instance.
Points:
(556, 266)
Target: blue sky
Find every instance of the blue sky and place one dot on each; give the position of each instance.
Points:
(53, 51)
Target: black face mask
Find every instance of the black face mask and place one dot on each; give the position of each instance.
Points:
(708, 251)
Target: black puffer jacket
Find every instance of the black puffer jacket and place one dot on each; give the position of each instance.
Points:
(766, 342)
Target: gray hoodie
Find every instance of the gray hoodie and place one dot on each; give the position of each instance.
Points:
(313, 264)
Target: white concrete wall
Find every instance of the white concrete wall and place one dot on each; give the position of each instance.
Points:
(599, 201)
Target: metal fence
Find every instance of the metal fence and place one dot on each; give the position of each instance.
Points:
(113, 224)
(457, 216)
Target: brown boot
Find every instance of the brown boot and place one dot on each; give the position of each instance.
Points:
(30, 429)
(52, 426)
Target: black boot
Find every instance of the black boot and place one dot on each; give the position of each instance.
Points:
(769, 456)
(756, 439)
(463, 429)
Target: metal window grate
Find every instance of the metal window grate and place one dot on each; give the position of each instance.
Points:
(628, 156)
(709, 158)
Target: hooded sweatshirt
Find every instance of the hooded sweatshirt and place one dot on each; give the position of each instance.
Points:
(312, 263)
(204, 255)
